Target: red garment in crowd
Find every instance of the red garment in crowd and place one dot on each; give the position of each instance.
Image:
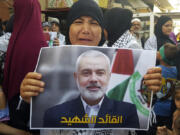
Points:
(24, 46)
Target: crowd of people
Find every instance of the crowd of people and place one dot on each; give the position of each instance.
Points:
(24, 36)
(52, 28)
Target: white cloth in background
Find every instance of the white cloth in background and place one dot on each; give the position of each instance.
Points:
(138, 39)
(61, 38)
(151, 43)
(127, 40)
(4, 41)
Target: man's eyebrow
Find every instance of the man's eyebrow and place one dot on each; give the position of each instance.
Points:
(85, 69)
(101, 69)
(88, 69)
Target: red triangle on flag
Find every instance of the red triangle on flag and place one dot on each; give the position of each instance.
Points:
(123, 63)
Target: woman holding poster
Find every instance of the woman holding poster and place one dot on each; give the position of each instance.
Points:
(85, 27)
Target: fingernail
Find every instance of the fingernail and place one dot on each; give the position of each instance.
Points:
(144, 82)
(42, 84)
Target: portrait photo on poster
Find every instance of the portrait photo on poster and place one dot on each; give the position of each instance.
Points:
(92, 87)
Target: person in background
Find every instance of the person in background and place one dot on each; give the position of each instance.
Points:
(55, 27)
(163, 130)
(23, 50)
(5, 129)
(163, 29)
(162, 107)
(46, 26)
(136, 31)
(55, 24)
(4, 40)
(117, 23)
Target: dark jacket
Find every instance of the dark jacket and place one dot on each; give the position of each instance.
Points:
(52, 117)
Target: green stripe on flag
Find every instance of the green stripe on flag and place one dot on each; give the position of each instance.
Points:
(118, 92)
(134, 78)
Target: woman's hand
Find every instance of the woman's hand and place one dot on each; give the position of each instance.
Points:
(31, 86)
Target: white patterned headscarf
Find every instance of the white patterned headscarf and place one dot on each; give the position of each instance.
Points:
(127, 40)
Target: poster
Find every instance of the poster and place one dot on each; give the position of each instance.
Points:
(62, 104)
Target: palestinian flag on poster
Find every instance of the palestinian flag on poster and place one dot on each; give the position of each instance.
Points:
(128, 69)
(122, 69)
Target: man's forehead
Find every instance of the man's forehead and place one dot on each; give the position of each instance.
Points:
(96, 61)
(136, 22)
(93, 58)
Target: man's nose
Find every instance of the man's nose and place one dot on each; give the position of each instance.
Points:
(94, 77)
(53, 25)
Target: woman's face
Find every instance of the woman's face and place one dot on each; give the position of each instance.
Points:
(167, 28)
(85, 31)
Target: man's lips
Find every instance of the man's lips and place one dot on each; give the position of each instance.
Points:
(93, 88)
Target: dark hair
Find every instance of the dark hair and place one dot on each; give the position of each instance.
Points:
(158, 27)
(169, 53)
(161, 37)
(116, 22)
(9, 25)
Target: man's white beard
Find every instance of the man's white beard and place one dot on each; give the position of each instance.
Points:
(91, 95)
(137, 31)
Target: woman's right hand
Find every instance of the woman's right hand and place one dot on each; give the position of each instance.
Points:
(31, 86)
